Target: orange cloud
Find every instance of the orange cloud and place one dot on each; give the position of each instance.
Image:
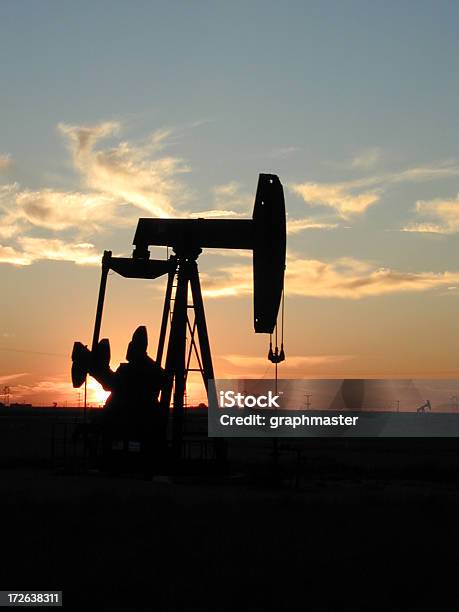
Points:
(345, 278)
(337, 196)
(57, 210)
(354, 279)
(36, 249)
(10, 255)
(442, 216)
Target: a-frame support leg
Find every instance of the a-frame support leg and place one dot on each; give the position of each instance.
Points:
(206, 355)
(165, 318)
(201, 326)
(176, 363)
(175, 358)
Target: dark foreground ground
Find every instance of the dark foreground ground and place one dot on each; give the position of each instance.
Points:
(369, 525)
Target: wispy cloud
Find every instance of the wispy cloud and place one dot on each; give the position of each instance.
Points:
(421, 173)
(129, 173)
(231, 201)
(441, 216)
(340, 196)
(200, 122)
(60, 210)
(354, 197)
(35, 249)
(116, 180)
(295, 226)
(283, 152)
(8, 377)
(58, 250)
(344, 278)
(350, 278)
(217, 214)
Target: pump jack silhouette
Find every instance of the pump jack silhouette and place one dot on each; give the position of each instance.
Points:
(264, 234)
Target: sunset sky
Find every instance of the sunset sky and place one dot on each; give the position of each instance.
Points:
(114, 110)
